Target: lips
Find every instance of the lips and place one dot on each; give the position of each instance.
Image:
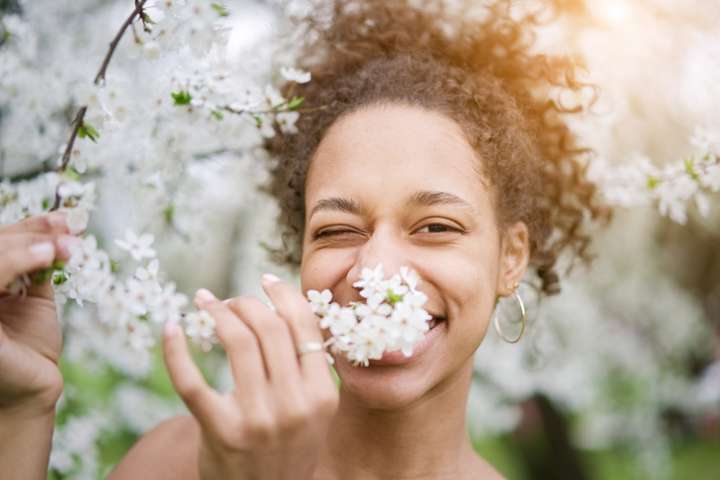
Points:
(397, 357)
(436, 319)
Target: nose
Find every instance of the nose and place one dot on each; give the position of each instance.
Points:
(384, 246)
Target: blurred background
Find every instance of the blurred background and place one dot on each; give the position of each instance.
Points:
(618, 377)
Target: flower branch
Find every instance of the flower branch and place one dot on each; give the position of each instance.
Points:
(79, 126)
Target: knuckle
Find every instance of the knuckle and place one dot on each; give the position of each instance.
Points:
(296, 418)
(289, 305)
(261, 429)
(229, 435)
(43, 222)
(191, 392)
(243, 302)
(240, 332)
(251, 309)
(212, 306)
(242, 336)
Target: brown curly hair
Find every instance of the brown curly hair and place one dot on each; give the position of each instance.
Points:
(479, 73)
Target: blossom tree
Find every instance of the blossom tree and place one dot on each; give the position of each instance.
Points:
(142, 119)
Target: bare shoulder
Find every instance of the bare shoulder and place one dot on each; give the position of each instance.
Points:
(168, 451)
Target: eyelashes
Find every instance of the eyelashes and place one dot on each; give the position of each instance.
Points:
(339, 231)
(448, 227)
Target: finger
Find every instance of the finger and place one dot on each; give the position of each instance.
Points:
(204, 402)
(242, 349)
(53, 222)
(291, 305)
(274, 337)
(24, 259)
(63, 243)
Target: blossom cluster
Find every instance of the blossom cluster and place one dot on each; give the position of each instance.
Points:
(187, 79)
(391, 318)
(673, 187)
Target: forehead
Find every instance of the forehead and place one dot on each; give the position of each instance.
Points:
(389, 152)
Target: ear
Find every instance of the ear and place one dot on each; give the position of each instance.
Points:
(514, 258)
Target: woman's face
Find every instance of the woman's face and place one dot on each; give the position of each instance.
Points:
(400, 185)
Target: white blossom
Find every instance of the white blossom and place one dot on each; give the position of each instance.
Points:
(137, 246)
(319, 301)
(200, 327)
(391, 317)
(295, 75)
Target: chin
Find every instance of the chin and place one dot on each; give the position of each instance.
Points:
(387, 387)
(395, 381)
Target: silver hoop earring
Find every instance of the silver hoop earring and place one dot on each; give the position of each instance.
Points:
(496, 321)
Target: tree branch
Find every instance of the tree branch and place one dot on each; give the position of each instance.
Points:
(76, 127)
(99, 79)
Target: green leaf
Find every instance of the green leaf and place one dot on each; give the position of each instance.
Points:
(45, 203)
(295, 102)
(217, 115)
(220, 9)
(71, 174)
(88, 131)
(690, 169)
(41, 276)
(52, 272)
(182, 97)
(146, 18)
(169, 213)
(258, 121)
(652, 182)
(59, 278)
(114, 266)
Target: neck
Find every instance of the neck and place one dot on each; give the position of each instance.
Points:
(425, 439)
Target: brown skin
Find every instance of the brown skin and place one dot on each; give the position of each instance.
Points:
(30, 346)
(403, 421)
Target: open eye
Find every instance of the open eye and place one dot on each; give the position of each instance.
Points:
(437, 228)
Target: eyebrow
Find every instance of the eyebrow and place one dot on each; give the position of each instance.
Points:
(422, 198)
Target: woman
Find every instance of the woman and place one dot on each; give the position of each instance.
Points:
(440, 150)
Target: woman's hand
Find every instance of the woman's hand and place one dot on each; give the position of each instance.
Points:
(271, 427)
(30, 336)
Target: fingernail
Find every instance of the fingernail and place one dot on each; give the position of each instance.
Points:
(269, 278)
(67, 243)
(205, 295)
(43, 252)
(171, 329)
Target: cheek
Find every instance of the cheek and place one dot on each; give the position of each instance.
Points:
(470, 287)
(323, 269)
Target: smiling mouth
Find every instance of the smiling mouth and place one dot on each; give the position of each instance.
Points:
(436, 320)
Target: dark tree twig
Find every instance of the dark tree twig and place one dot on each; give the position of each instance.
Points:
(139, 4)
(78, 122)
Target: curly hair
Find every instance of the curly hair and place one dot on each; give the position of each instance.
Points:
(481, 74)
